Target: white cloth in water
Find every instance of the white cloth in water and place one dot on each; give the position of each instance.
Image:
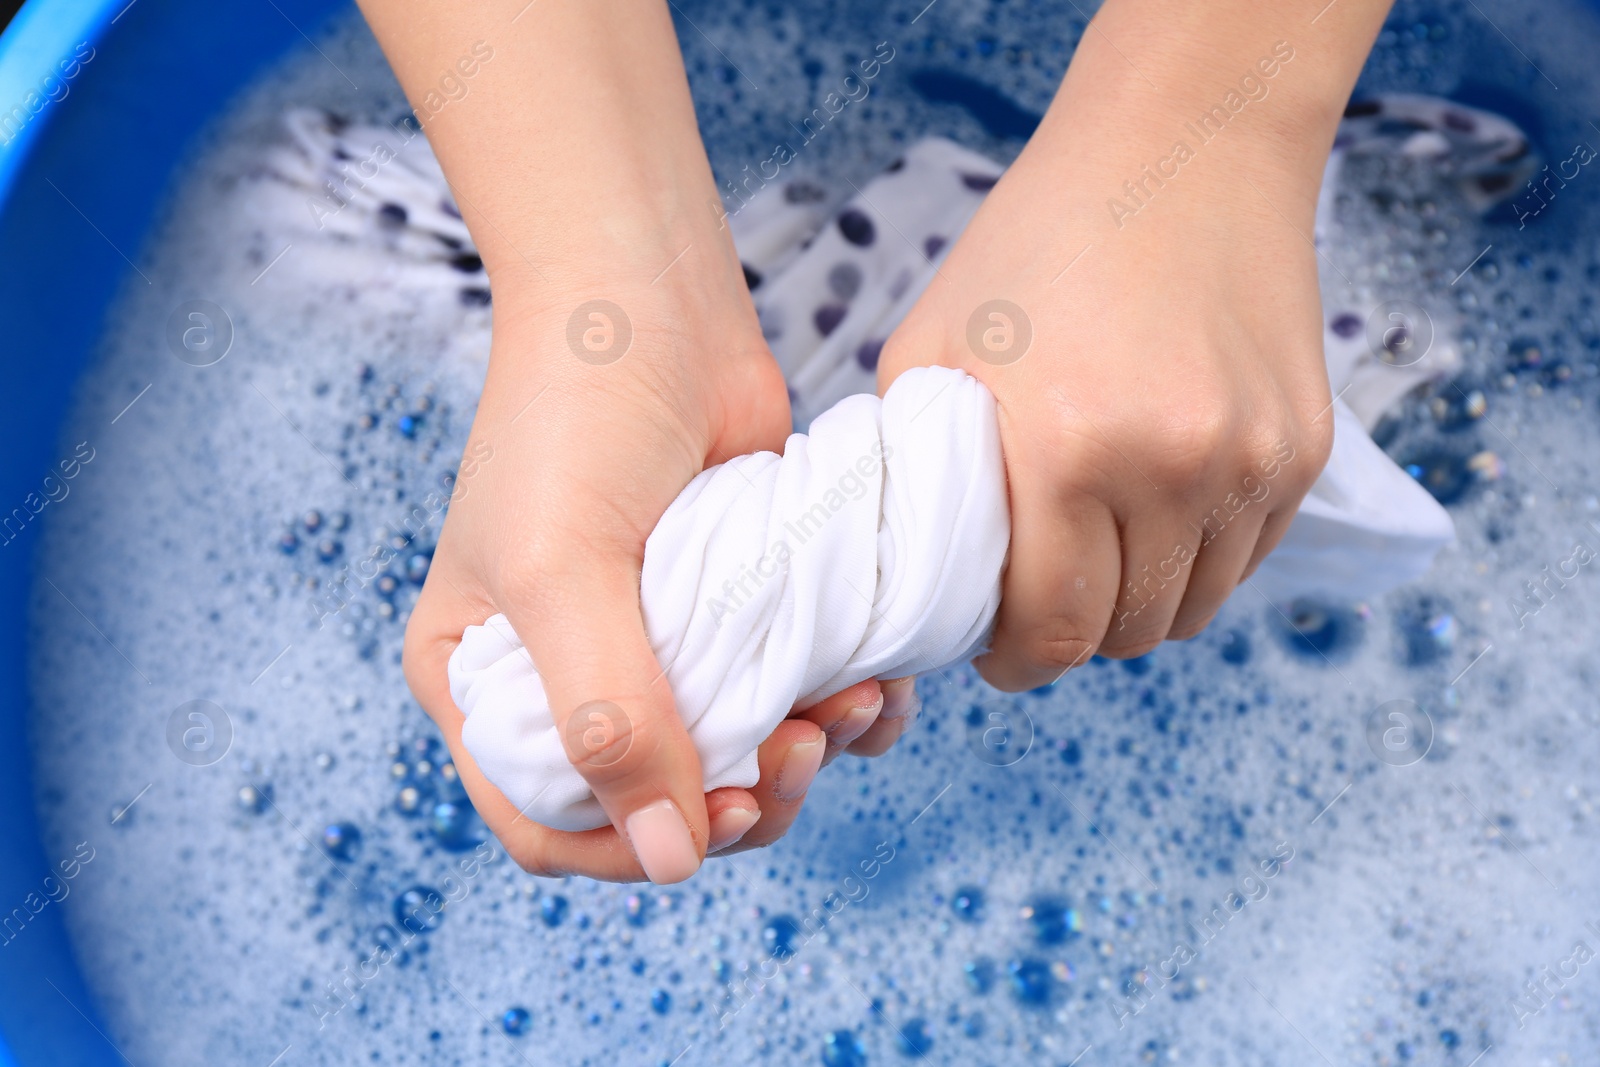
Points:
(873, 548)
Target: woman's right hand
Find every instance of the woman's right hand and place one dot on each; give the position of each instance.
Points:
(576, 451)
(626, 357)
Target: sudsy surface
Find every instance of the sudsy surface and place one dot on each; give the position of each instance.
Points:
(1225, 825)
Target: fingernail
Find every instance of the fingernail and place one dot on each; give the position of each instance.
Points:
(730, 825)
(660, 838)
(901, 701)
(855, 722)
(798, 770)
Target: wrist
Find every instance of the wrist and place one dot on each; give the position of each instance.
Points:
(1221, 89)
(664, 256)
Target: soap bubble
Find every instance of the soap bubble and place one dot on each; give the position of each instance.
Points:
(968, 903)
(419, 909)
(515, 1021)
(340, 840)
(1030, 981)
(842, 1048)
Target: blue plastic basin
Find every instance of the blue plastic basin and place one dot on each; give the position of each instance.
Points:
(80, 180)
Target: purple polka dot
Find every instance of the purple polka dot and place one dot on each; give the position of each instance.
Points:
(392, 215)
(449, 208)
(771, 322)
(1346, 325)
(803, 193)
(752, 277)
(898, 164)
(845, 280)
(828, 317)
(978, 183)
(857, 227)
(1359, 109)
(933, 246)
(1494, 184)
(1455, 120)
(867, 354)
(898, 287)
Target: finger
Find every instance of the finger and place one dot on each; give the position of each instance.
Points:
(582, 624)
(448, 604)
(600, 853)
(1158, 557)
(732, 812)
(1218, 569)
(1060, 587)
(789, 761)
(901, 706)
(845, 716)
(1272, 532)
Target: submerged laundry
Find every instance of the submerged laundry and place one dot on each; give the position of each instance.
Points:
(874, 547)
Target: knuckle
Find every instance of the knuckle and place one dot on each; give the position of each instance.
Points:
(1133, 648)
(1133, 632)
(1300, 442)
(1187, 630)
(1182, 447)
(1055, 651)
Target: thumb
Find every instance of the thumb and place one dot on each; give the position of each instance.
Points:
(584, 628)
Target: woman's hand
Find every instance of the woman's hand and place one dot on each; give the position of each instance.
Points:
(579, 451)
(1149, 319)
(626, 357)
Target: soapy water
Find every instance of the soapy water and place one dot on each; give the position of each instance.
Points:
(1346, 832)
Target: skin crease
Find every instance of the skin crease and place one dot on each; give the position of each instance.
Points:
(1162, 365)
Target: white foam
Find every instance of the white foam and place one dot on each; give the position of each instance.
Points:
(1418, 903)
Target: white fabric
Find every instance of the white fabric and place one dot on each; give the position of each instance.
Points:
(871, 549)
(874, 546)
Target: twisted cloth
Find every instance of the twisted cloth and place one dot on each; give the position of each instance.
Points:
(874, 546)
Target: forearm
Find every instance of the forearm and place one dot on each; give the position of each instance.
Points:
(1248, 89)
(575, 157)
